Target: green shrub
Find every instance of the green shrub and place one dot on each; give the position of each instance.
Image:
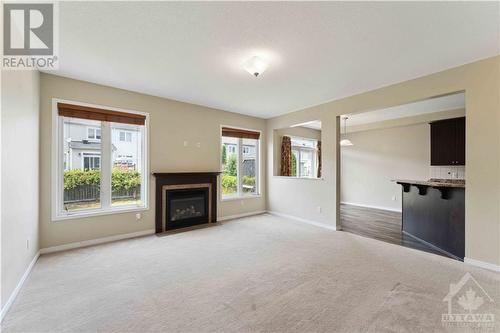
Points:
(124, 179)
(248, 180)
(228, 183)
(120, 179)
(231, 166)
(224, 155)
(77, 177)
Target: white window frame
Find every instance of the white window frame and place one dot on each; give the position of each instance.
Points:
(94, 129)
(90, 154)
(240, 195)
(125, 134)
(314, 161)
(57, 169)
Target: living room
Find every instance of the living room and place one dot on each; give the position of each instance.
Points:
(147, 185)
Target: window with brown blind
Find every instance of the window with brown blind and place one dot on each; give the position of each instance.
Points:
(240, 158)
(101, 161)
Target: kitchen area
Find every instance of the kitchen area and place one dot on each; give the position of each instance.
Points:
(433, 211)
(403, 175)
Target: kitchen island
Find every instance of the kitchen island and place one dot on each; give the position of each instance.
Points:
(434, 214)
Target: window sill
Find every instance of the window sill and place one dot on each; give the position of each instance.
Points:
(241, 197)
(92, 213)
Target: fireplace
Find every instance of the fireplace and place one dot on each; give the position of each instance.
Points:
(186, 205)
(185, 200)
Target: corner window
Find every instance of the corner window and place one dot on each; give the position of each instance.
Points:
(240, 163)
(102, 174)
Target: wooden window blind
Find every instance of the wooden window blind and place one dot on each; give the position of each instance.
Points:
(86, 112)
(239, 133)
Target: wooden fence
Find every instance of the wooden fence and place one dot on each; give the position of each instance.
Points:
(83, 193)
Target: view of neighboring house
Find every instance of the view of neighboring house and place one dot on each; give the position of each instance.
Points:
(248, 153)
(304, 158)
(82, 145)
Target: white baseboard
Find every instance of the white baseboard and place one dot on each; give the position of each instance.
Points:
(13, 296)
(90, 242)
(482, 264)
(237, 216)
(398, 210)
(300, 219)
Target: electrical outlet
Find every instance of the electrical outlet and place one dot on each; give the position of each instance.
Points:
(393, 198)
(138, 217)
(186, 143)
(198, 144)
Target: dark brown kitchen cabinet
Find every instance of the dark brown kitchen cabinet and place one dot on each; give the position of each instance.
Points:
(448, 142)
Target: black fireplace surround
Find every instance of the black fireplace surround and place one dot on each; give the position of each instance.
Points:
(185, 199)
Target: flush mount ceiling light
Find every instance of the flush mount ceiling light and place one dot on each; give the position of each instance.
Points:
(255, 65)
(345, 142)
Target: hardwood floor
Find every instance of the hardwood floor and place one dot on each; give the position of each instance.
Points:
(378, 224)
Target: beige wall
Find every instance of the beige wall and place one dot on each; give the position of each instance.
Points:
(171, 123)
(480, 81)
(380, 156)
(20, 176)
(310, 199)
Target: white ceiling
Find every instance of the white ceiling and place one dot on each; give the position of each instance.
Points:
(318, 51)
(444, 103)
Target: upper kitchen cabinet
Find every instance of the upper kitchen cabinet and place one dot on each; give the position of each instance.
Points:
(448, 142)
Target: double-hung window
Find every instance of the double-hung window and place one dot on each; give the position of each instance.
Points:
(240, 156)
(94, 133)
(95, 170)
(304, 157)
(125, 136)
(91, 161)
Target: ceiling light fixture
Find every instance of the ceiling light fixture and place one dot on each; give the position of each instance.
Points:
(255, 66)
(346, 142)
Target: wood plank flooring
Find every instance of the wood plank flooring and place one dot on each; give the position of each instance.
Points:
(378, 224)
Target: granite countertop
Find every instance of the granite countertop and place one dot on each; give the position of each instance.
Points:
(458, 183)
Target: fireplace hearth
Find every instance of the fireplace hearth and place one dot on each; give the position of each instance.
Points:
(185, 199)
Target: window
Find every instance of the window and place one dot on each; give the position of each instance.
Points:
(91, 161)
(125, 136)
(240, 163)
(304, 153)
(126, 161)
(231, 147)
(93, 133)
(103, 175)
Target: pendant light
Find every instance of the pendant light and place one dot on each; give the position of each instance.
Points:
(345, 142)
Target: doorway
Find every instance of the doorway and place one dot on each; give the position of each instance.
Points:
(388, 166)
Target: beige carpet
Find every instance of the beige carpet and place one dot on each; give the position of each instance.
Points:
(256, 274)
